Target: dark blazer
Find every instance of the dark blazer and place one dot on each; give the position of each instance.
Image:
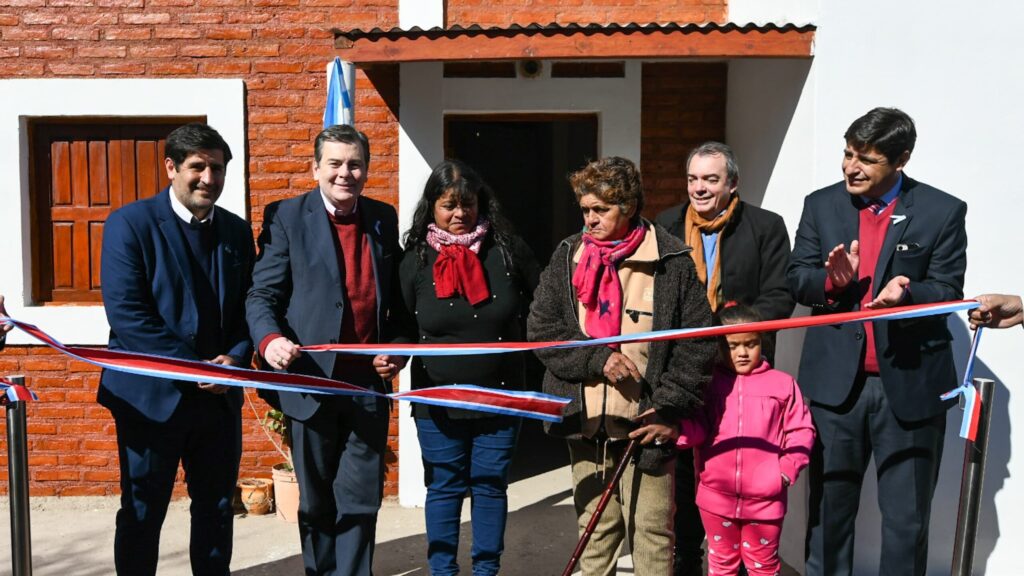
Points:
(297, 288)
(754, 253)
(148, 297)
(928, 246)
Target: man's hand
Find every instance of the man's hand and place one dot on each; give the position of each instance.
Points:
(5, 327)
(223, 360)
(280, 353)
(892, 295)
(996, 311)
(654, 429)
(618, 367)
(842, 266)
(388, 366)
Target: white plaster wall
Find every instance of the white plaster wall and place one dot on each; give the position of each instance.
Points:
(221, 101)
(947, 67)
(426, 97)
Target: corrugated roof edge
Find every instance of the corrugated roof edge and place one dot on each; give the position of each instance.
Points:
(457, 30)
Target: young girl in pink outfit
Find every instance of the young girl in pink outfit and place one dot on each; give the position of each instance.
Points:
(751, 440)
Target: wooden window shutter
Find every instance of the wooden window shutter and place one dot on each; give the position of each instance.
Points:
(81, 172)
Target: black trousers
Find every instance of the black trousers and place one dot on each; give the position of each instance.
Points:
(689, 556)
(339, 463)
(205, 435)
(907, 456)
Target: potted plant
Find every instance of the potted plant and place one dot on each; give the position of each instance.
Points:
(286, 486)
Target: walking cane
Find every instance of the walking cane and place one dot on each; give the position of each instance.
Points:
(601, 505)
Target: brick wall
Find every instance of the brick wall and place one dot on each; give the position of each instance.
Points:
(505, 12)
(682, 105)
(280, 49)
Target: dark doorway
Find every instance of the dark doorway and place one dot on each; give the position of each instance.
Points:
(527, 160)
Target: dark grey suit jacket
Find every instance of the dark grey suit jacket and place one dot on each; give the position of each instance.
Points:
(297, 288)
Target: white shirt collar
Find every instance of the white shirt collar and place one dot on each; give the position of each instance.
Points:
(183, 212)
(330, 207)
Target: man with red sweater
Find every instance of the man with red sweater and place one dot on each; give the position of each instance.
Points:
(876, 240)
(327, 272)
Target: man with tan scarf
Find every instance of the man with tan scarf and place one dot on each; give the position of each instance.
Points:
(741, 253)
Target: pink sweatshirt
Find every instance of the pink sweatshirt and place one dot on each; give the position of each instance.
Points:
(753, 429)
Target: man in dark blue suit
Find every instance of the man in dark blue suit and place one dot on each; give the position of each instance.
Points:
(876, 240)
(327, 273)
(175, 270)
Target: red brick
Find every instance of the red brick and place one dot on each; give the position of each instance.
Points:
(229, 67)
(264, 183)
(82, 396)
(267, 149)
(281, 32)
(51, 475)
(46, 428)
(11, 34)
(95, 18)
(228, 34)
(23, 3)
(112, 475)
(38, 365)
(320, 49)
(92, 444)
(178, 3)
(268, 117)
(76, 33)
(160, 51)
(176, 32)
(146, 18)
(287, 166)
(203, 51)
(134, 33)
(40, 460)
(262, 83)
(57, 445)
(173, 68)
(249, 17)
(93, 490)
(203, 18)
(86, 460)
(257, 50)
(275, 100)
(105, 51)
(278, 67)
(43, 18)
(306, 151)
(221, 3)
(9, 20)
(303, 17)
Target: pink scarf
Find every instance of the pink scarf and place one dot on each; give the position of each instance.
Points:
(596, 280)
(458, 269)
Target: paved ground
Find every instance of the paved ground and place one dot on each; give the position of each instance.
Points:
(75, 536)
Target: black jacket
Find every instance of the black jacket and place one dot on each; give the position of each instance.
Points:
(511, 278)
(754, 253)
(678, 371)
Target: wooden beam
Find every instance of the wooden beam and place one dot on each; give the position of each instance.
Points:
(604, 44)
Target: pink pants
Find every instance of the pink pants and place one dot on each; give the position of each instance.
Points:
(756, 543)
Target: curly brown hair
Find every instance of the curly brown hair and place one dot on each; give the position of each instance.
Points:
(615, 180)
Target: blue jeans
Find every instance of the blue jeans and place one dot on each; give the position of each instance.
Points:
(459, 457)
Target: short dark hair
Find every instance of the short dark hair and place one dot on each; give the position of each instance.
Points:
(186, 140)
(712, 148)
(615, 180)
(341, 133)
(891, 131)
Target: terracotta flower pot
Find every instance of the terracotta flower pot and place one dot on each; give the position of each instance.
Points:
(286, 488)
(257, 495)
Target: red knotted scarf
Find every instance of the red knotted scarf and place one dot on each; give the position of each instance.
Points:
(458, 269)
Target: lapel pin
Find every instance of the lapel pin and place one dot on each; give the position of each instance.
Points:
(897, 218)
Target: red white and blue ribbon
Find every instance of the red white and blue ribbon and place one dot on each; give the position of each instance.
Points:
(11, 392)
(972, 400)
(515, 403)
(898, 313)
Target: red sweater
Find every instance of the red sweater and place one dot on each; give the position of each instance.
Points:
(872, 235)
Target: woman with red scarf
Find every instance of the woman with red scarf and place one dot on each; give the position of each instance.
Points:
(622, 275)
(466, 278)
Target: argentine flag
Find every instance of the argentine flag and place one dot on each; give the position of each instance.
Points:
(341, 93)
